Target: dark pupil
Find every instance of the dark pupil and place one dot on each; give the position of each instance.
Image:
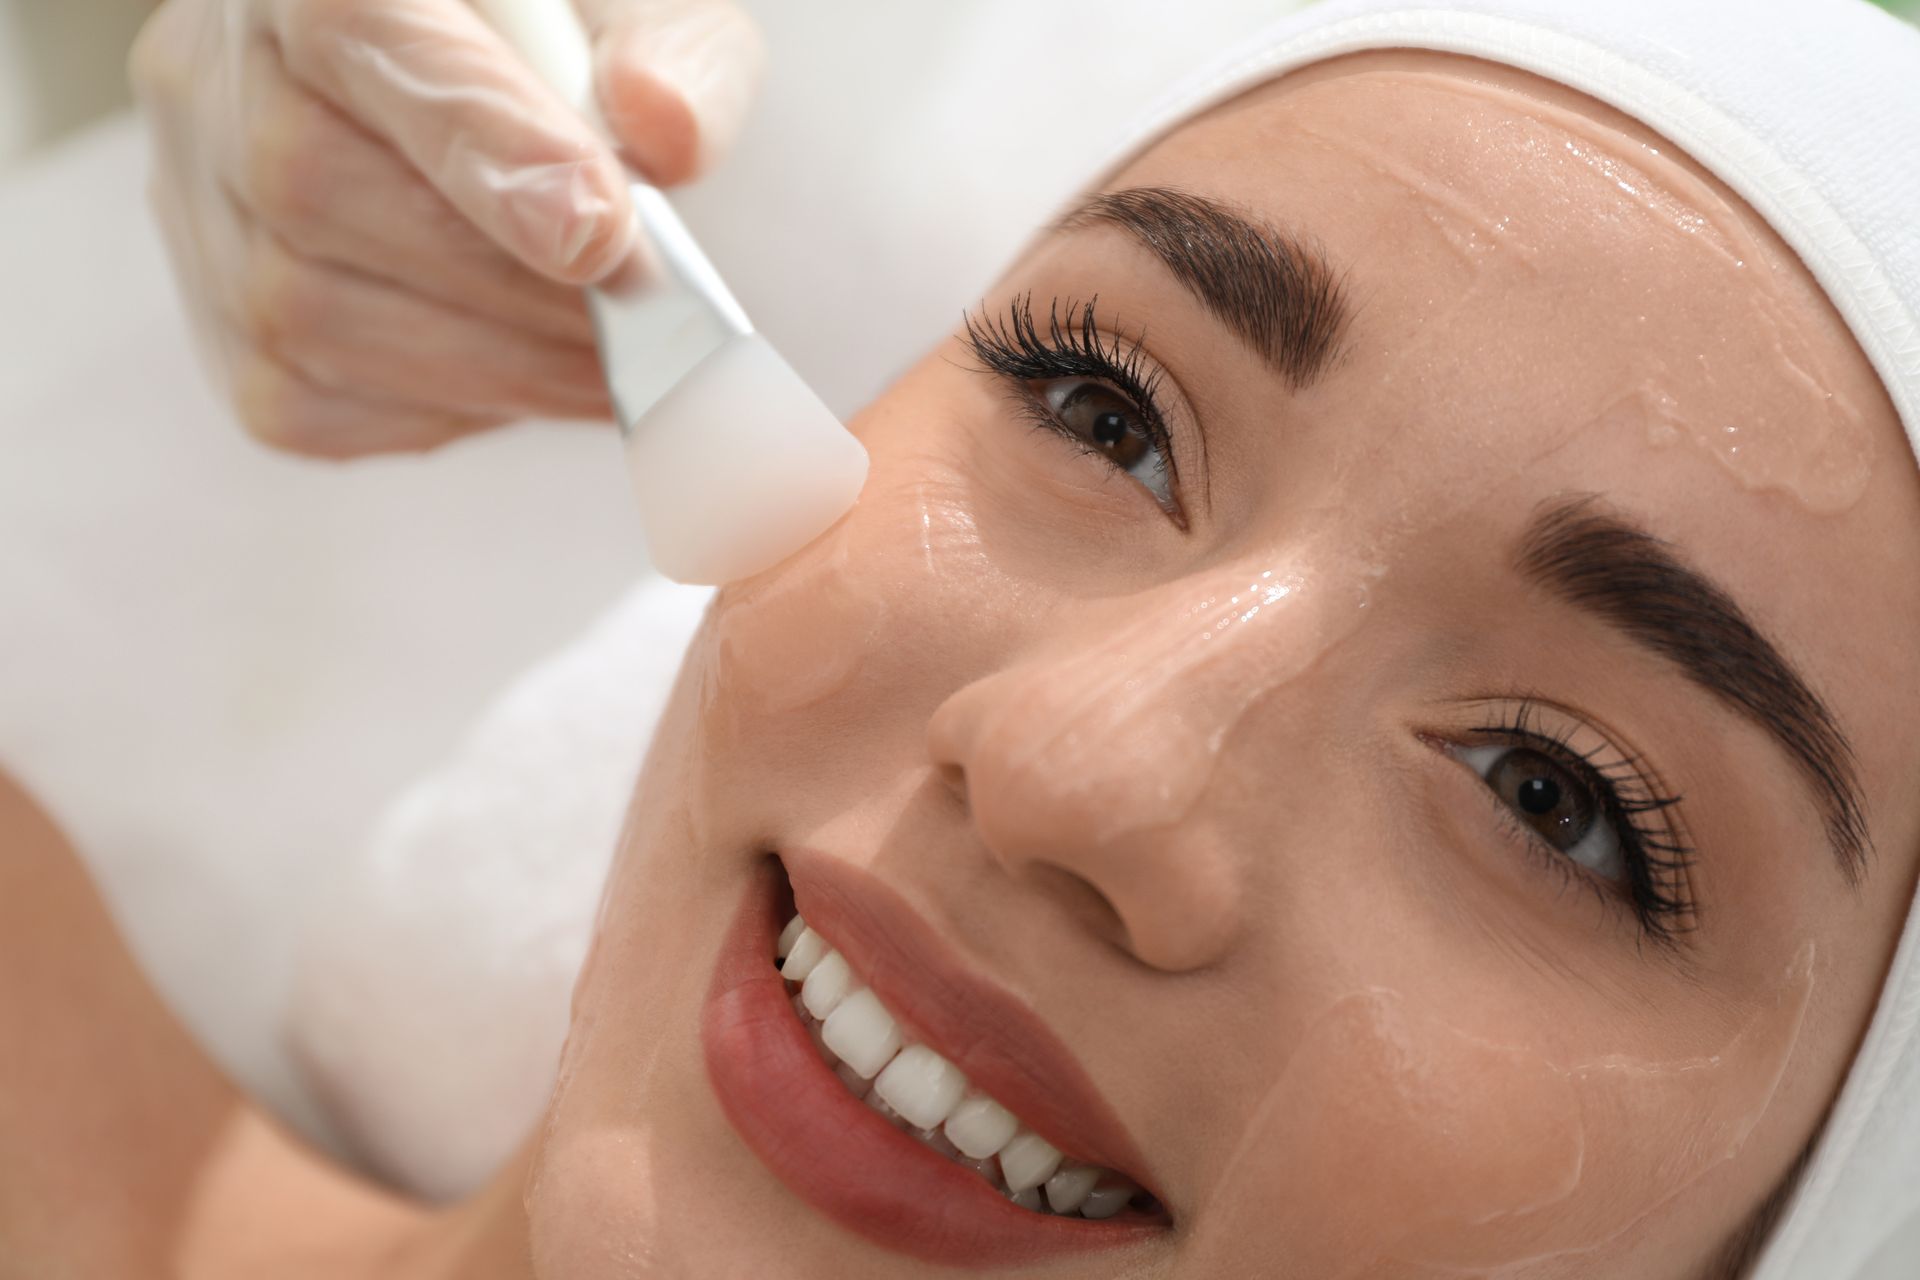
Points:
(1106, 419)
(1550, 800)
(1539, 795)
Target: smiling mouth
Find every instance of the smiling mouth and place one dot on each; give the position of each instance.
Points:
(919, 1092)
(869, 1111)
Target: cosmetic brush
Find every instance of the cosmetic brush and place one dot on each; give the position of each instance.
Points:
(735, 461)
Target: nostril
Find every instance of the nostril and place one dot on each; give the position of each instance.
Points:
(1083, 902)
(955, 779)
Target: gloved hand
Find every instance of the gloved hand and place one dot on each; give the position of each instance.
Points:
(380, 217)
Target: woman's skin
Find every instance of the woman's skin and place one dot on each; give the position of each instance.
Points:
(1196, 777)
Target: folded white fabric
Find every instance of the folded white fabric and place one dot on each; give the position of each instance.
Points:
(1810, 109)
(431, 997)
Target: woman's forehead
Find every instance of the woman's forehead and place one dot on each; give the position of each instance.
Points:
(1519, 265)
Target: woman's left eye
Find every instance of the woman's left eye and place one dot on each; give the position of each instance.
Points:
(1552, 800)
(1111, 425)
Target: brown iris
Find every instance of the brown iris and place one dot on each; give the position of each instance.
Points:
(1108, 421)
(1550, 800)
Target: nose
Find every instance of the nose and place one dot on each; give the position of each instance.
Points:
(1092, 790)
(1091, 761)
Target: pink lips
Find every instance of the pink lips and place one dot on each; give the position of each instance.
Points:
(834, 1151)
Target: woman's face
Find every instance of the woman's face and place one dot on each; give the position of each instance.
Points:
(1365, 697)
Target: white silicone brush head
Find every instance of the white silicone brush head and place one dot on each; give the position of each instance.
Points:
(739, 466)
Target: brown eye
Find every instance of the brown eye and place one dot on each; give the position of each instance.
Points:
(1111, 425)
(1553, 799)
(1546, 798)
(1103, 418)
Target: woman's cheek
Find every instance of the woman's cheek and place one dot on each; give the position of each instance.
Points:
(903, 584)
(799, 633)
(1386, 1129)
(1394, 1138)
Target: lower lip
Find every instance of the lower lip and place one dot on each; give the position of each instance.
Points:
(835, 1152)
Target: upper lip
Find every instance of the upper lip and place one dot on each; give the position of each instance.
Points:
(1001, 1045)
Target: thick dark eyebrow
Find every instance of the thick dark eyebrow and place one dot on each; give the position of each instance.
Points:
(1598, 561)
(1276, 291)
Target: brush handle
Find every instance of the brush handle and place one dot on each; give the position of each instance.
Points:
(735, 461)
(549, 37)
(654, 332)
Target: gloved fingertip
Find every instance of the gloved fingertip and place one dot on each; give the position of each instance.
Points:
(571, 222)
(599, 246)
(653, 123)
(676, 82)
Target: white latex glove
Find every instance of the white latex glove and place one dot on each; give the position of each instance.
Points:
(379, 216)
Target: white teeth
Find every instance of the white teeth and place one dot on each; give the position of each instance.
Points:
(828, 984)
(1067, 1190)
(809, 949)
(921, 1093)
(1107, 1200)
(936, 1140)
(884, 1109)
(921, 1085)
(1028, 1160)
(988, 1168)
(979, 1126)
(862, 1033)
(849, 1077)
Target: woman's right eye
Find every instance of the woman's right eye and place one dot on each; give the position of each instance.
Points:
(1553, 802)
(1094, 389)
(1106, 422)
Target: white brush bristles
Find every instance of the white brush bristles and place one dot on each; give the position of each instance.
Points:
(739, 466)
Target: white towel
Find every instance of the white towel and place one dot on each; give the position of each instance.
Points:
(1810, 109)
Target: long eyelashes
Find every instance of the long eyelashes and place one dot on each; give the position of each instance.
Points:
(1656, 885)
(1015, 346)
(1073, 346)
